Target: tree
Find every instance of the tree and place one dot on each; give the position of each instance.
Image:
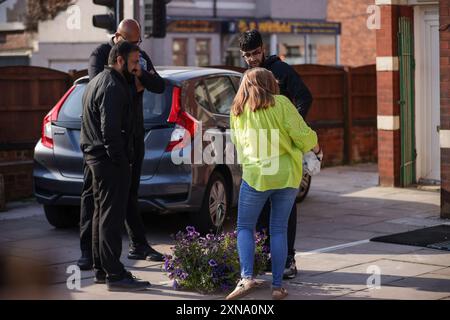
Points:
(43, 10)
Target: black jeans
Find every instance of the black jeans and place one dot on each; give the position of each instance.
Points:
(263, 223)
(133, 221)
(110, 185)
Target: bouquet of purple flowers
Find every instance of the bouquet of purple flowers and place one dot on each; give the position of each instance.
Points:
(211, 263)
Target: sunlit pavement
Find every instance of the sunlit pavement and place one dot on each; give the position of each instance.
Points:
(336, 260)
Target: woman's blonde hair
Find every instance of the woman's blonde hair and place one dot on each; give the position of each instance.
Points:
(258, 86)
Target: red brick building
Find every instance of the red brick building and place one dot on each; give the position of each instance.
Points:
(413, 83)
(357, 42)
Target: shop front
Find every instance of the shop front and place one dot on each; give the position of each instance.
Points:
(295, 41)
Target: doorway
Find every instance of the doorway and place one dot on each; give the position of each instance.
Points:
(427, 99)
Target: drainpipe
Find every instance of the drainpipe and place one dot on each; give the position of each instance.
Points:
(338, 50)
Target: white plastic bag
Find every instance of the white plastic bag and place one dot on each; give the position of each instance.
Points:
(311, 164)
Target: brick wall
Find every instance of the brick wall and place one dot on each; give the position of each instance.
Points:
(326, 55)
(331, 140)
(16, 40)
(357, 41)
(388, 94)
(444, 39)
(364, 144)
(16, 167)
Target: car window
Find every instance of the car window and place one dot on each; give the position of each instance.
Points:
(201, 97)
(236, 82)
(73, 107)
(221, 92)
(156, 107)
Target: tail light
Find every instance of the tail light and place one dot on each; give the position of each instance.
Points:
(185, 124)
(47, 136)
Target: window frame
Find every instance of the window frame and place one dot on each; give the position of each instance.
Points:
(205, 53)
(228, 76)
(184, 52)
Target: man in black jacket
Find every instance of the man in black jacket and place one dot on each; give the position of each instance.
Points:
(106, 141)
(292, 86)
(146, 78)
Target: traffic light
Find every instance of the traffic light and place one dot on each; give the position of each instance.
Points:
(155, 18)
(111, 20)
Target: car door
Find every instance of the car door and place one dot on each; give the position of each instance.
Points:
(221, 93)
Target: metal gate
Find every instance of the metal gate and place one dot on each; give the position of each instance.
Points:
(407, 130)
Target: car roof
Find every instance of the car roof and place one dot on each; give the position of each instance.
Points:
(179, 74)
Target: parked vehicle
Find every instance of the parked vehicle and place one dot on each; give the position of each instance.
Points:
(196, 100)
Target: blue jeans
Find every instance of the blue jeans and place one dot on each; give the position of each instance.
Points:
(251, 203)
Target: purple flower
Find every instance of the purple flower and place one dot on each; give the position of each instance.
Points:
(184, 275)
(210, 237)
(212, 263)
(178, 272)
(175, 285)
(179, 235)
(190, 229)
(167, 264)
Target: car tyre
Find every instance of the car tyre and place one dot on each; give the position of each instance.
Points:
(216, 205)
(305, 184)
(62, 217)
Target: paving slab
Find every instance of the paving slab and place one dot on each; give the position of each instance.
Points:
(344, 209)
(387, 292)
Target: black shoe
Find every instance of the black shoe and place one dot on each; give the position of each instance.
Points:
(153, 255)
(145, 253)
(99, 277)
(128, 283)
(290, 270)
(85, 262)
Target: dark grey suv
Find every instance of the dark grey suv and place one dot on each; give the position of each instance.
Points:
(196, 100)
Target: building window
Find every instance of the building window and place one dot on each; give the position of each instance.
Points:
(294, 53)
(233, 57)
(2, 38)
(179, 52)
(202, 51)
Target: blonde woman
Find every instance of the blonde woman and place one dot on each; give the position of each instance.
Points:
(270, 137)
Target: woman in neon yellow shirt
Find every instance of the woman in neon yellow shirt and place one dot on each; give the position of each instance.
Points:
(270, 138)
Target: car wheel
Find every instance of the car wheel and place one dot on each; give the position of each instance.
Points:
(304, 187)
(62, 216)
(216, 205)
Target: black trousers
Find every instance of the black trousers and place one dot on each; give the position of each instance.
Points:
(264, 221)
(110, 185)
(133, 221)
